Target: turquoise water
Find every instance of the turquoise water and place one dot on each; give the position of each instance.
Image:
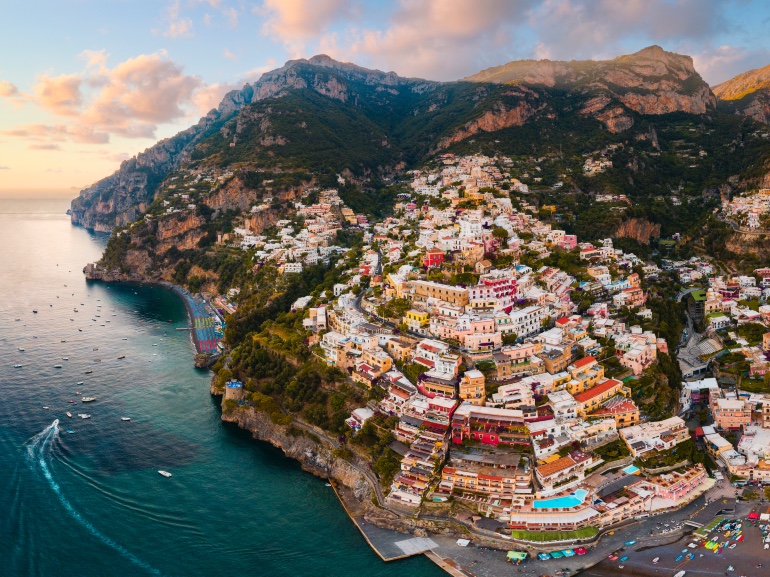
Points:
(565, 502)
(91, 503)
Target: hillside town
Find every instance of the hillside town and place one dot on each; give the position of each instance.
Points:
(505, 395)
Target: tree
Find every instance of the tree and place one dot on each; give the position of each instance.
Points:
(501, 235)
(510, 339)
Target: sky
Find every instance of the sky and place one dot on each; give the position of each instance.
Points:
(87, 84)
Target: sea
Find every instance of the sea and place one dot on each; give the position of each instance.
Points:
(83, 497)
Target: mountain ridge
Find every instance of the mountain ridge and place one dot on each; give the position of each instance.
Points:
(402, 119)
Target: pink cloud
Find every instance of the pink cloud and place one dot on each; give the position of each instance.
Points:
(58, 133)
(59, 94)
(8, 90)
(44, 147)
(295, 22)
(437, 39)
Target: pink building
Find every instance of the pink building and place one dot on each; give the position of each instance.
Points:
(568, 242)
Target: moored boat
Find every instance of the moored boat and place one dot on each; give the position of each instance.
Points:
(164, 473)
(88, 399)
(68, 414)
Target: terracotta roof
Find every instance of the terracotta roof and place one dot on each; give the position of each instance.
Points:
(624, 407)
(599, 389)
(558, 465)
(583, 362)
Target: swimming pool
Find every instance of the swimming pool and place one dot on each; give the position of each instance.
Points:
(565, 502)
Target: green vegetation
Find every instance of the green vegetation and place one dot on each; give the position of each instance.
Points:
(686, 450)
(544, 536)
(613, 451)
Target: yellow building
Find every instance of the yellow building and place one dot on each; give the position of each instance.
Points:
(422, 290)
(472, 387)
(415, 320)
(585, 374)
(595, 397)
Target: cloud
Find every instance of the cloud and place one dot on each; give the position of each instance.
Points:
(44, 147)
(8, 90)
(724, 62)
(295, 22)
(58, 133)
(140, 93)
(59, 94)
(3, 167)
(440, 39)
(95, 58)
(573, 29)
(229, 55)
(177, 26)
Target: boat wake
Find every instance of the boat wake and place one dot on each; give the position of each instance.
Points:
(39, 452)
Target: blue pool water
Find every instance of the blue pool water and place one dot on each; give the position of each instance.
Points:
(566, 502)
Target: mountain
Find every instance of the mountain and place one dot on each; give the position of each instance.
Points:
(747, 94)
(651, 81)
(323, 117)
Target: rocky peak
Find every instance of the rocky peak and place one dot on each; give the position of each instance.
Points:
(744, 84)
(747, 94)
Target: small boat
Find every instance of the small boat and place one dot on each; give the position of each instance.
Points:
(655, 561)
(65, 358)
(164, 473)
(125, 418)
(88, 372)
(624, 559)
(79, 383)
(34, 311)
(57, 366)
(16, 366)
(81, 330)
(121, 357)
(88, 399)
(96, 348)
(68, 414)
(679, 558)
(84, 415)
(629, 543)
(45, 407)
(70, 432)
(64, 340)
(680, 574)
(21, 349)
(329, 485)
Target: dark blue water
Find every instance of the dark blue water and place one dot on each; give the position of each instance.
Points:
(91, 503)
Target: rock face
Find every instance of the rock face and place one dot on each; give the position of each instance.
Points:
(639, 229)
(115, 200)
(419, 115)
(496, 119)
(747, 94)
(651, 81)
(314, 458)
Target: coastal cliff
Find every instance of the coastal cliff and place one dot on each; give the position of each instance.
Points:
(317, 458)
(314, 457)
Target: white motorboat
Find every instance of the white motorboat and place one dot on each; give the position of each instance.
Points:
(68, 414)
(88, 399)
(84, 415)
(164, 473)
(125, 418)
